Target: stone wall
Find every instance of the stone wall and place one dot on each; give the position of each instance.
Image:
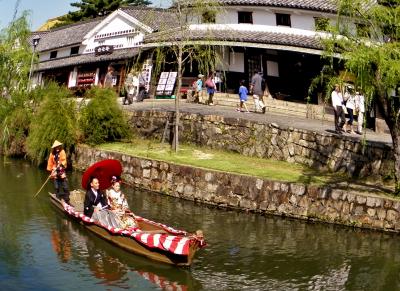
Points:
(251, 193)
(322, 151)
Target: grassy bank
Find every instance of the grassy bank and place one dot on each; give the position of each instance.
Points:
(225, 161)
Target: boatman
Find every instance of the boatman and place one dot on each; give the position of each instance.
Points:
(56, 165)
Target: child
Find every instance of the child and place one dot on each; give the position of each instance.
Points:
(243, 97)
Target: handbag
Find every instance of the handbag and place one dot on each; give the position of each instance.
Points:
(344, 109)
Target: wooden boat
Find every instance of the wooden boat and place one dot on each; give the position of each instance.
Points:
(151, 239)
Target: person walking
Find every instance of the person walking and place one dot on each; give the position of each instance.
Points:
(198, 88)
(210, 85)
(350, 106)
(360, 109)
(56, 165)
(142, 86)
(257, 91)
(108, 79)
(337, 104)
(129, 89)
(243, 97)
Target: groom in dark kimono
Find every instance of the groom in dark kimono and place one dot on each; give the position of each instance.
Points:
(94, 197)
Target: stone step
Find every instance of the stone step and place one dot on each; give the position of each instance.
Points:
(279, 106)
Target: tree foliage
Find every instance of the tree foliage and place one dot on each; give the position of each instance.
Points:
(177, 46)
(96, 8)
(366, 36)
(55, 119)
(102, 118)
(15, 110)
(15, 56)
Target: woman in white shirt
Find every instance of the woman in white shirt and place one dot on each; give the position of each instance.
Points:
(350, 106)
(360, 108)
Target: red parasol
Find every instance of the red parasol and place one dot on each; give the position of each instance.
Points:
(103, 170)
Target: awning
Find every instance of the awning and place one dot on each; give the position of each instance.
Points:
(86, 59)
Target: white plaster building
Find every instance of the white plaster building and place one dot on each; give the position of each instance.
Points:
(278, 37)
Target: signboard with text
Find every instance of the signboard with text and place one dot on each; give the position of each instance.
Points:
(103, 50)
(166, 83)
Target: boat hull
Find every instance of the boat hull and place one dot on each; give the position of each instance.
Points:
(130, 244)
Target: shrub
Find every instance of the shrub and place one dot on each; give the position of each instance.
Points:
(55, 119)
(102, 118)
(15, 128)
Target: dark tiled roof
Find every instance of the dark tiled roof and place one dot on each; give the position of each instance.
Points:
(316, 5)
(261, 37)
(86, 59)
(65, 36)
(155, 18)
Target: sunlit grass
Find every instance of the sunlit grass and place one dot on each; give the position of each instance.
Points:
(223, 161)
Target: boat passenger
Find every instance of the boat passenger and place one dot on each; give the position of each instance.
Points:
(96, 206)
(115, 197)
(56, 164)
(94, 198)
(119, 205)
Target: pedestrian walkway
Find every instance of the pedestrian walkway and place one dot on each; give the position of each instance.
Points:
(282, 120)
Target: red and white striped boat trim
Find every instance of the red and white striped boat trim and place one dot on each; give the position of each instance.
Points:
(178, 243)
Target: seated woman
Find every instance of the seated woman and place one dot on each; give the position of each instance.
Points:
(119, 205)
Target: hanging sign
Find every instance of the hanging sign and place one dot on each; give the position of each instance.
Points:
(103, 50)
(166, 83)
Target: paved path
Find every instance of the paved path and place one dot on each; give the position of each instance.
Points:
(282, 120)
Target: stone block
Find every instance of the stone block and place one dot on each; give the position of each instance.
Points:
(209, 177)
(146, 173)
(179, 188)
(188, 190)
(370, 202)
(259, 184)
(381, 214)
(170, 177)
(324, 193)
(358, 210)
(263, 205)
(346, 208)
(245, 204)
(371, 212)
(154, 174)
(392, 215)
(212, 187)
(145, 163)
(285, 187)
(351, 197)
(336, 194)
(293, 199)
(298, 189)
(361, 199)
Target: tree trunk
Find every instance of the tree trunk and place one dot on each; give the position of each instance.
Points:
(396, 152)
(389, 111)
(177, 99)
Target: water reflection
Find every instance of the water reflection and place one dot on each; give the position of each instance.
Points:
(41, 249)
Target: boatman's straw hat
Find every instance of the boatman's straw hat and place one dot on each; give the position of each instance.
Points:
(56, 144)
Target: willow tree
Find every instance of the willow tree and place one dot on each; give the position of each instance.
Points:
(366, 39)
(15, 57)
(180, 43)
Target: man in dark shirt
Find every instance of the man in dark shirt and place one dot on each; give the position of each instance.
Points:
(94, 198)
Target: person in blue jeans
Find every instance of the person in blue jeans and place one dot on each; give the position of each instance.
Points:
(243, 97)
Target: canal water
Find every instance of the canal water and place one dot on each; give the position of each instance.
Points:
(40, 249)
